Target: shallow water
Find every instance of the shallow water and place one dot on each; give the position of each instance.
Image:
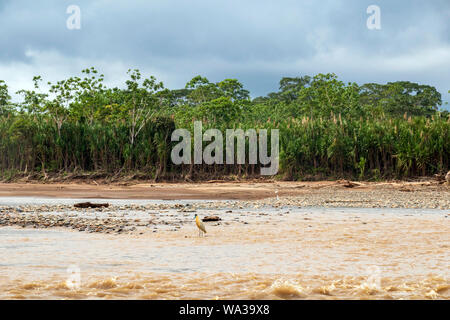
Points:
(21, 201)
(264, 253)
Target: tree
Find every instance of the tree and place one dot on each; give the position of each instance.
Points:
(89, 95)
(59, 107)
(398, 98)
(201, 90)
(34, 101)
(233, 89)
(289, 90)
(290, 87)
(141, 101)
(173, 98)
(221, 111)
(5, 99)
(327, 95)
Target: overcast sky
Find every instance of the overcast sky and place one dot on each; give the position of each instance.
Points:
(255, 41)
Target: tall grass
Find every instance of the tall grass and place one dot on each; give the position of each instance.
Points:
(34, 145)
(365, 148)
(373, 147)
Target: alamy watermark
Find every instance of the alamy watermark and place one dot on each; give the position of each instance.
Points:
(73, 22)
(74, 279)
(373, 281)
(374, 20)
(213, 153)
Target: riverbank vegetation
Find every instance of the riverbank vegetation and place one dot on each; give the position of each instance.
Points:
(328, 128)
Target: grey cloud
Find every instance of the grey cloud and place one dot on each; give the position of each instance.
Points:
(255, 41)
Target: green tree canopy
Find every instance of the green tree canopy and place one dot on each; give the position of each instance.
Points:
(398, 98)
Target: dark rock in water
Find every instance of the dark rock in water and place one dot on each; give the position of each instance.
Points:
(211, 218)
(85, 205)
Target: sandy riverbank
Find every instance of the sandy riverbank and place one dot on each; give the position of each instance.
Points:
(231, 190)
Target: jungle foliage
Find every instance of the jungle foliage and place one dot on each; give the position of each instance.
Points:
(328, 128)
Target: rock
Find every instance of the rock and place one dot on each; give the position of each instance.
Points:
(447, 178)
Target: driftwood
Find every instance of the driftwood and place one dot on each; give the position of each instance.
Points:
(349, 184)
(211, 218)
(85, 205)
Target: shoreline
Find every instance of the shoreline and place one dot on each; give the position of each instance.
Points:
(127, 214)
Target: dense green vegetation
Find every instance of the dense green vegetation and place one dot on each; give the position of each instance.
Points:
(328, 129)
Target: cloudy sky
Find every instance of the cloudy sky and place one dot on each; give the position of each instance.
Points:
(255, 41)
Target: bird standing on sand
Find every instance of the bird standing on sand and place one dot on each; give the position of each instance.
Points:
(200, 225)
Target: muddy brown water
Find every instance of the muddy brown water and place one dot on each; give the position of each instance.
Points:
(265, 253)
